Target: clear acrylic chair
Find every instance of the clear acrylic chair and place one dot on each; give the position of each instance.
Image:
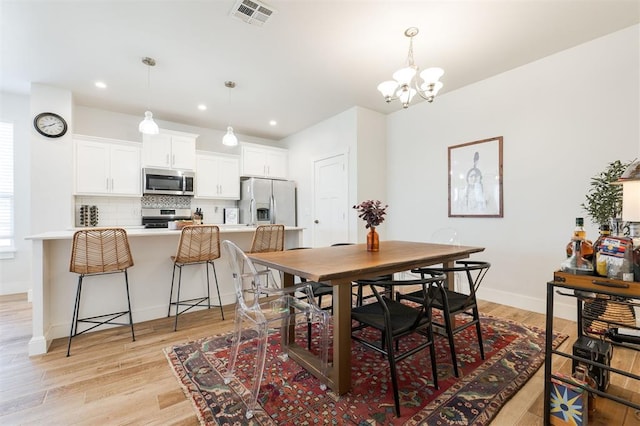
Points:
(283, 308)
(449, 236)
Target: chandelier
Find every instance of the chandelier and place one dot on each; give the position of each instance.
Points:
(406, 84)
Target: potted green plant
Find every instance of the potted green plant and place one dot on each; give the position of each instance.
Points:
(603, 202)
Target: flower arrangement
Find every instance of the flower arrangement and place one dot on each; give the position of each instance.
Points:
(372, 212)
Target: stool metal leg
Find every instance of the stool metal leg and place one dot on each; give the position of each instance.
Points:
(217, 289)
(192, 303)
(173, 276)
(206, 267)
(175, 324)
(126, 283)
(74, 320)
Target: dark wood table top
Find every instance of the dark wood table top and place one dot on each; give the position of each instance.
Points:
(330, 263)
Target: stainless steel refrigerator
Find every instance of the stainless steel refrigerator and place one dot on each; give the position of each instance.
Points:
(264, 201)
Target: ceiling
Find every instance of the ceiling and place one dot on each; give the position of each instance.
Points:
(310, 61)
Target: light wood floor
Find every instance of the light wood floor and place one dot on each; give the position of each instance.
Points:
(111, 380)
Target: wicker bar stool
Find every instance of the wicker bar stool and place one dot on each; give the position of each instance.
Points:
(99, 251)
(198, 244)
(267, 238)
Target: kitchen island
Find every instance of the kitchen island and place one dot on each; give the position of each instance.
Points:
(54, 287)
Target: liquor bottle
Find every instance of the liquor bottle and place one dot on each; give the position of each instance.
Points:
(599, 262)
(576, 263)
(580, 233)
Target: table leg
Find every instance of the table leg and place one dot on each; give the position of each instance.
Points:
(341, 374)
(288, 281)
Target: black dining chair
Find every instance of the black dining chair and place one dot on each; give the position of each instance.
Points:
(395, 320)
(452, 303)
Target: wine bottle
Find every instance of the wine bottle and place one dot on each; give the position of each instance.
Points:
(623, 335)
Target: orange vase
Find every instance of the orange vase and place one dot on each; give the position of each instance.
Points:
(373, 240)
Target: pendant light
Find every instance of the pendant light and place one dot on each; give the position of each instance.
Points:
(147, 126)
(230, 138)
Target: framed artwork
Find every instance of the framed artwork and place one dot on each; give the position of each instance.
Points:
(475, 179)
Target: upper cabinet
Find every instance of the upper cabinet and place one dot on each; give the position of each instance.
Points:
(107, 166)
(217, 176)
(169, 150)
(264, 161)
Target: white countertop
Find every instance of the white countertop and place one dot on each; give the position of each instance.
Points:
(140, 231)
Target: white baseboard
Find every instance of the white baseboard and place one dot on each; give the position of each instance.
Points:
(564, 307)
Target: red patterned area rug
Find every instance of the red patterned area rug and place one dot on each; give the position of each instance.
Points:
(291, 396)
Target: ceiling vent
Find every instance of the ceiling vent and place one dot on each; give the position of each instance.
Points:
(252, 12)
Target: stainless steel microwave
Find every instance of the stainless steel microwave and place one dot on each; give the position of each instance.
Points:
(167, 182)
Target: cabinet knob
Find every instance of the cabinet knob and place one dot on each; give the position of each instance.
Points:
(316, 221)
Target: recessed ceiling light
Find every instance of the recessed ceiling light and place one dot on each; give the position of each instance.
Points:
(202, 107)
(100, 84)
(273, 123)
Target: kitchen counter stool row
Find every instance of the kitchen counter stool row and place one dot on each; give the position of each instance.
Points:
(99, 251)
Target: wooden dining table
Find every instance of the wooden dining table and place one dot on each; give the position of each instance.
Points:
(339, 266)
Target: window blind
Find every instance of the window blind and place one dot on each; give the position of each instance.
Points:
(6, 186)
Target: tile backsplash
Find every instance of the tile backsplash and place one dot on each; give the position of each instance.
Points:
(126, 211)
(166, 202)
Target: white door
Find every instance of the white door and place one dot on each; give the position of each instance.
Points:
(330, 223)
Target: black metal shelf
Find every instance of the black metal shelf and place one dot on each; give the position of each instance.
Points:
(585, 288)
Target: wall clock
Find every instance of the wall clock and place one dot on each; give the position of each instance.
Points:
(50, 125)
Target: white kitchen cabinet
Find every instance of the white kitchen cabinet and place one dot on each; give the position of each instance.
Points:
(107, 167)
(217, 176)
(264, 161)
(169, 150)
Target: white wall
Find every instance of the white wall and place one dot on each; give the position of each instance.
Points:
(358, 132)
(563, 119)
(371, 164)
(15, 273)
(51, 163)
